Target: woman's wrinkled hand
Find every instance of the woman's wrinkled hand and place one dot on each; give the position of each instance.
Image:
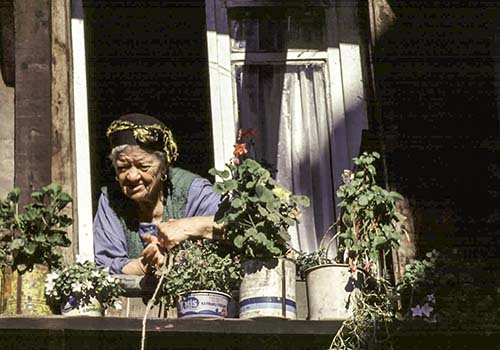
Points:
(173, 232)
(152, 255)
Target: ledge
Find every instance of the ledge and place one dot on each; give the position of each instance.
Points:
(215, 326)
(91, 333)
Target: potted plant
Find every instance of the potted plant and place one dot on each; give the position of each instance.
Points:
(82, 288)
(256, 213)
(369, 226)
(30, 247)
(201, 280)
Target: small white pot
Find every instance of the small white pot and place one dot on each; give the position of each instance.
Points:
(203, 304)
(72, 308)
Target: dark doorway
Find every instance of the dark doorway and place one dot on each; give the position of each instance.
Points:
(148, 57)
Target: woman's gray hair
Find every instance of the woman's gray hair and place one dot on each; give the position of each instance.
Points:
(115, 152)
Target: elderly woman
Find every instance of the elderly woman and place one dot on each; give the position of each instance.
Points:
(151, 198)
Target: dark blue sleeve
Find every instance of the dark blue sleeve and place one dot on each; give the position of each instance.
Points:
(202, 199)
(110, 245)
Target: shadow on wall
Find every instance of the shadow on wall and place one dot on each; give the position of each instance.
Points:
(437, 81)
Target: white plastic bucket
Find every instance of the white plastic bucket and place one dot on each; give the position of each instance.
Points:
(203, 304)
(331, 289)
(268, 289)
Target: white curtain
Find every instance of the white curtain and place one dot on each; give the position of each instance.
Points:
(288, 105)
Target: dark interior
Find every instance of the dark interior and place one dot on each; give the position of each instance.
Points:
(148, 57)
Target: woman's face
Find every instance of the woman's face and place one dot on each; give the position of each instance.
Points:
(139, 174)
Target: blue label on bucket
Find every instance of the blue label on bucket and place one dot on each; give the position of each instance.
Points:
(271, 303)
(190, 303)
(202, 305)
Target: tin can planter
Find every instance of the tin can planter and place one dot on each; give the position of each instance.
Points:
(24, 294)
(268, 289)
(331, 291)
(203, 304)
(72, 307)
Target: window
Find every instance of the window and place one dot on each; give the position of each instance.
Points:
(276, 66)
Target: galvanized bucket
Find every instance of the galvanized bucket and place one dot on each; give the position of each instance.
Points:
(268, 289)
(24, 294)
(331, 291)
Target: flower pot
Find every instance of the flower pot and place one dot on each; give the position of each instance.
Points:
(203, 304)
(268, 289)
(24, 294)
(331, 289)
(72, 307)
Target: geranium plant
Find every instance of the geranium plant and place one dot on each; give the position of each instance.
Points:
(255, 211)
(200, 265)
(370, 222)
(80, 284)
(35, 236)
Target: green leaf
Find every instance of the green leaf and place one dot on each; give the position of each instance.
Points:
(274, 217)
(17, 243)
(238, 242)
(231, 185)
(37, 196)
(262, 211)
(237, 203)
(363, 200)
(29, 248)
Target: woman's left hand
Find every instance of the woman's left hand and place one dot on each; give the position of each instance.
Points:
(176, 231)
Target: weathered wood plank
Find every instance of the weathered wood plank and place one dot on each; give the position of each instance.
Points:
(62, 143)
(222, 326)
(32, 96)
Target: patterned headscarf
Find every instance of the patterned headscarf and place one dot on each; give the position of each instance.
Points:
(144, 131)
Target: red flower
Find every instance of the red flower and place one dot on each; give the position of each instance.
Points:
(240, 149)
(248, 132)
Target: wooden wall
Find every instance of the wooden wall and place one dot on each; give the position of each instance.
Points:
(35, 98)
(32, 96)
(436, 76)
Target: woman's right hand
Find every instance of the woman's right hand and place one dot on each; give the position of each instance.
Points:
(152, 255)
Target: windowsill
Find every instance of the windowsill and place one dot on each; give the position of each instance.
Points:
(58, 332)
(223, 326)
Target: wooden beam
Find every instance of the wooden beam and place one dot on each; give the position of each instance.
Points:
(63, 159)
(83, 190)
(32, 96)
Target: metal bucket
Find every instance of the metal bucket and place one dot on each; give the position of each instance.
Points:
(203, 304)
(331, 291)
(24, 294)
(268, 289)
